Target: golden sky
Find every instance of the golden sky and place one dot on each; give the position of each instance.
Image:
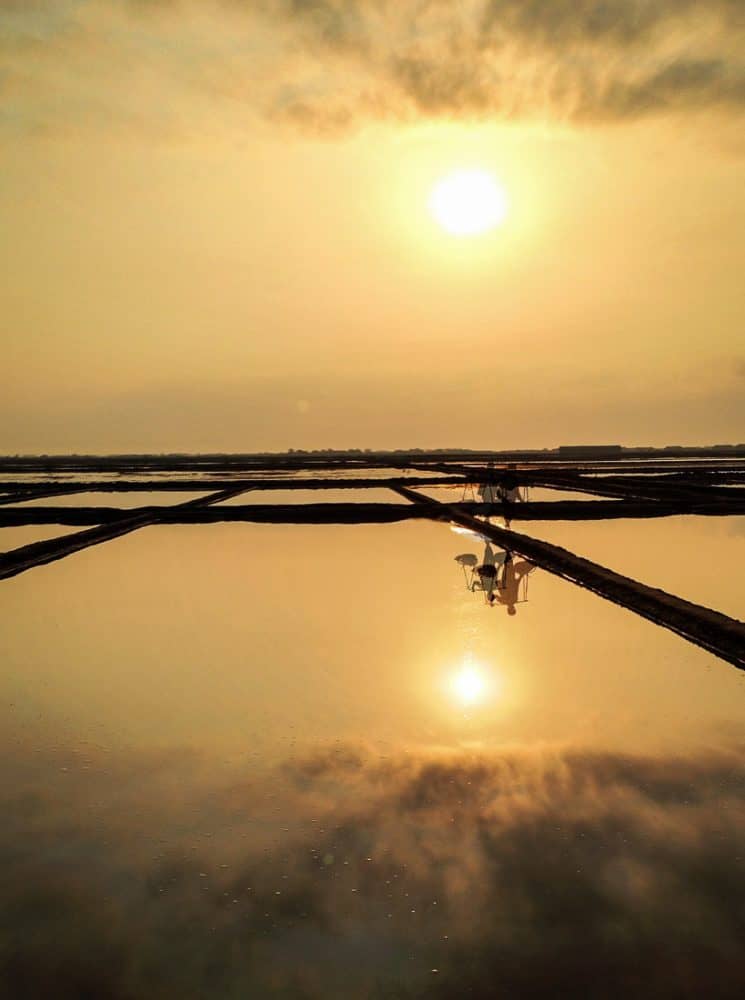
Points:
(216, 232)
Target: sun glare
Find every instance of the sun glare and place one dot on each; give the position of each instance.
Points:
(469, 685)
(468, 202)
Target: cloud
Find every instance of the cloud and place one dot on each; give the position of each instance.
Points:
(592, 60)
(328, 65)
(346, 874)
(622, 23)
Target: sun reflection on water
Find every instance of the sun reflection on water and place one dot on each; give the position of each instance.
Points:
(472, 684)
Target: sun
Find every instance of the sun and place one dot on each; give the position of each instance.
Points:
(468, 202)
(468, 685)
(471, 683)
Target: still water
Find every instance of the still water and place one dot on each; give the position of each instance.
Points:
(309, 762)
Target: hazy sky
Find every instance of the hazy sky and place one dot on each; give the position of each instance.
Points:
(216, 231)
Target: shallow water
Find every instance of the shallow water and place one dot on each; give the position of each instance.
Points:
(13, 538)
(368, 495)
(698, 558)
(117, 499)
(308, 761)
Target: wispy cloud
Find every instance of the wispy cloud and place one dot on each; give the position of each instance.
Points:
(330, 64)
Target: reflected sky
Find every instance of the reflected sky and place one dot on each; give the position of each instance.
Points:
(694, 557)
(369, 495)
(13, 538)
(212, 633)
(309, 761)
(117, 499)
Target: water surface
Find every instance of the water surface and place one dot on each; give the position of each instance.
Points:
(309, 761)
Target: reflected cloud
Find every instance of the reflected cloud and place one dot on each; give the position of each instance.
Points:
(346, 873)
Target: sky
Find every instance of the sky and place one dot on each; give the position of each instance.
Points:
(217, 237)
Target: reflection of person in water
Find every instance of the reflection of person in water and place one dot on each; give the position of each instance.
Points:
(508, 589)
(485, 575)
(497, 575)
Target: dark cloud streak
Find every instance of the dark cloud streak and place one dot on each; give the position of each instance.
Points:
(343, 62)
(588, 60)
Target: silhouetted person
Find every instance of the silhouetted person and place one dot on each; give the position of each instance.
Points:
(508, 492)
(486, 493)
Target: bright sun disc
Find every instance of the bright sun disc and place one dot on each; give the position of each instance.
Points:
(468, 202)
(468, 685)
